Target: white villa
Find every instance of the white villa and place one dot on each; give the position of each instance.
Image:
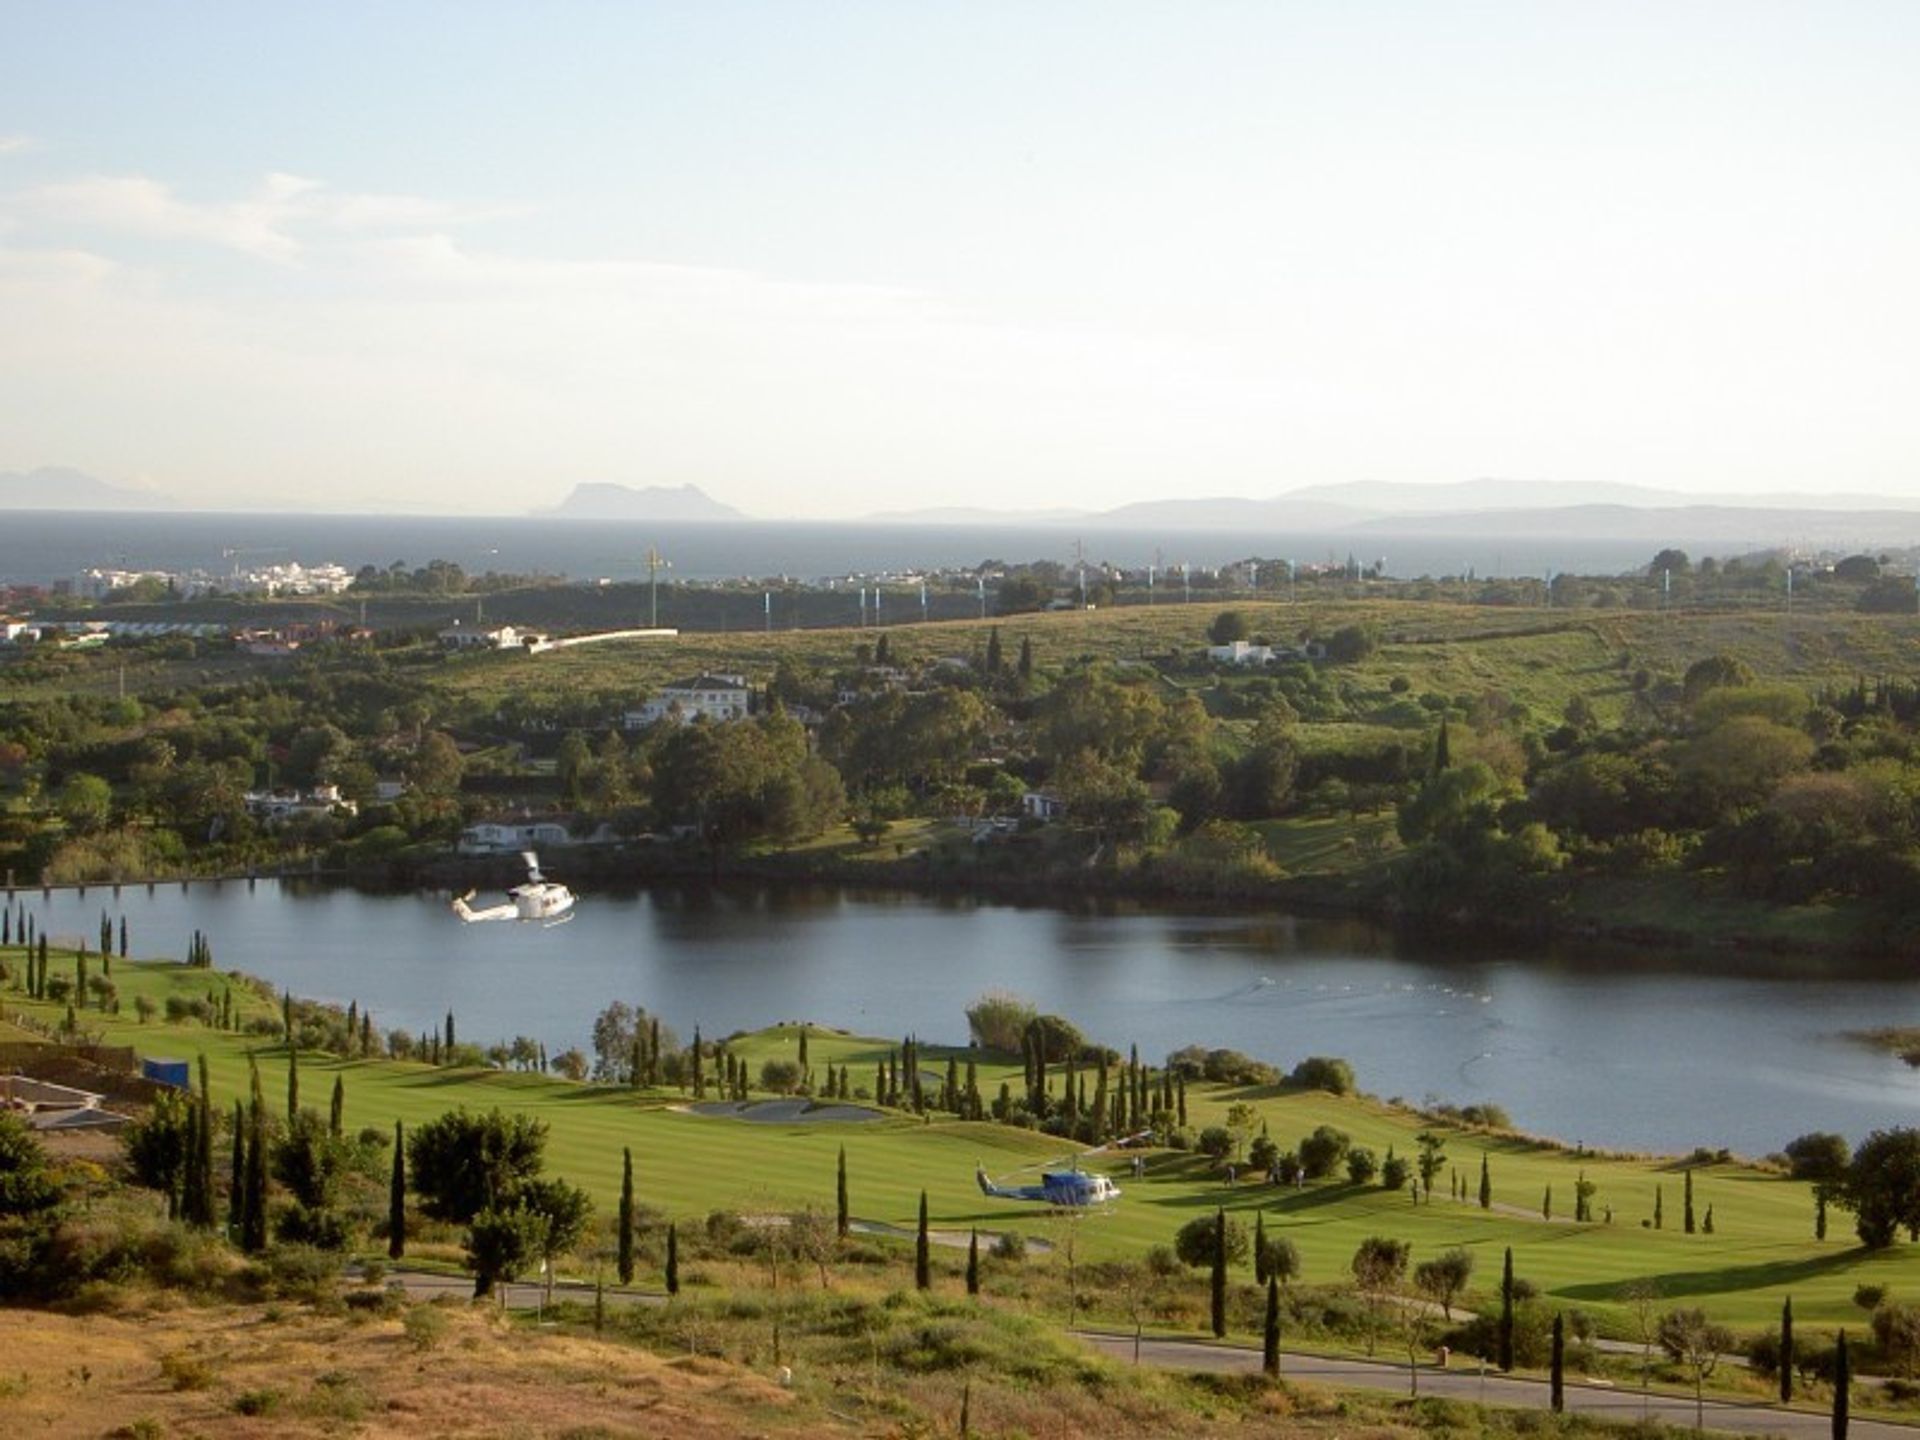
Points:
(717, 697)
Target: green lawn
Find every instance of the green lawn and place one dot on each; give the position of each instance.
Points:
(1762, 1249)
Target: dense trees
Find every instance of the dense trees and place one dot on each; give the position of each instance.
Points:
(1882, 1187)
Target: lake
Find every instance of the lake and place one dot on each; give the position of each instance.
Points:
(1649, 1051)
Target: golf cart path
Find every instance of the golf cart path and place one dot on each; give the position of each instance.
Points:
(1605, 1402)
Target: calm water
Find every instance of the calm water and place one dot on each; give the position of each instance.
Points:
(37, 547)
(1646, 1055)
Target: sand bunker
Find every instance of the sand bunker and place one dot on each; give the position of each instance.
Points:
(783, 1112)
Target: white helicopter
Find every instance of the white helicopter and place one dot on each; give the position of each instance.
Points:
(539, 899)
(1068, 1189)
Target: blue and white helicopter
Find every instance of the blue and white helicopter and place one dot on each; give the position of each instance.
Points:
(1072, 1188)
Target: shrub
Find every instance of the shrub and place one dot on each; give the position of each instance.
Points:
(1321, 1151)
(182, 1371)
(1194, 1242)
(1361, 1165)
(1395, 1173)
(1010, 1245)
(782, 1077)
(1323, 1072)
(1216, 1142)
(998, 1020)
(425, 1327)
(256, 1402)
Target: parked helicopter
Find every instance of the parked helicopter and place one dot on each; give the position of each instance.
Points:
(539, 899)
(1071, 1188)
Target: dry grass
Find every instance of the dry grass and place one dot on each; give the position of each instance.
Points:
(172, 1372)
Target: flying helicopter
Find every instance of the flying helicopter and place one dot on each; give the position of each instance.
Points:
(539, 899)
(1070, 1188)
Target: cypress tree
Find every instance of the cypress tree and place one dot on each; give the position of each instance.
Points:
(1505, 1337)
(951, 1099)
(293, 1084)
(699, 1068)
(253, 1238)
(673, 1259)
(337, 1111)
(995, 660)
(286, 1015)
(1557, 1371)
(1659, 1194)
(803, 1050)
(1546, 1204)
(922, 1258)
(123, 937)
(625, 1262)
(1260, 1247)
(1820, 1213)
(973, 1261)
(842, 1217)
(450, 1041)
(80, 975)
(636, 1062)
(1219, 1277)
(1442, 748)
(1270, 1335)
(1026, 656)
(1706, 1223)
(205, 1214)
(397, 1197)
(183, 1203)
(653, 1051)
(1686, 1213)
(237, 1182)
(1182, 1101)
(1786, 1351)
(1842, 1380)
(1486, 1183)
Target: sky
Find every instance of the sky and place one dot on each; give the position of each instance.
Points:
(828, 259)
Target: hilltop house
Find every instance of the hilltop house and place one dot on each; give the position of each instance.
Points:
(276, 807)
(505, 837)
(716, 697)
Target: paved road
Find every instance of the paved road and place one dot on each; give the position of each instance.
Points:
(1461, 1383)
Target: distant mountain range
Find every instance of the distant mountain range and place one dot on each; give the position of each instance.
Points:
(58, 487)
(1523, 509)
(603, 500)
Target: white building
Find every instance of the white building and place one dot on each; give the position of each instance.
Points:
(276, 807)
(506, 837)
(716, 697)
(1042, 805)
(1241, 652)
(464, 637)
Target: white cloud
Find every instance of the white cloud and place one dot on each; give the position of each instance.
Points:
(16, 144)
(276, 222)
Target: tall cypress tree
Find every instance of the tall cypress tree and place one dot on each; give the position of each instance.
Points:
(1219, 1277)
(1659, 1196)
(1686, 1214)
(1842, 1383)
(1557, 1366)
(842, 1219)
(1486, 1183)
(625, 1262)
(1442, 748)
(237, 1182)
(1270, 1333)
(183, 1202)
(205, 1213)
(699, 1068)
(673, 1258)
(922, 1256)
(253, 1238)
(1505, 1337)
(293, 1083)
(397, 1197)
(973, 1261)
(1786, 1351)
(1260, 1247)
(337, 1111)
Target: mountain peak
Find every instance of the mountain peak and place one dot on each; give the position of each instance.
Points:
(606, 500)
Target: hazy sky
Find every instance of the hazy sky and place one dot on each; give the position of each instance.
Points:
(824, 259)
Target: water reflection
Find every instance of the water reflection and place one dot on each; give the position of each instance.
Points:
(1631, 1048)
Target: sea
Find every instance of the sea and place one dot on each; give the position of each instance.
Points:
(41, 547)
